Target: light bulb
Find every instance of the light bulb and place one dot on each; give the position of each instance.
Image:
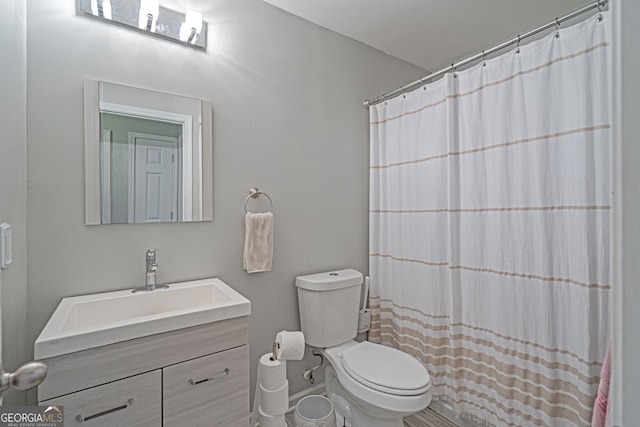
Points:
(101, 8)
(148, 16)
(191, 27)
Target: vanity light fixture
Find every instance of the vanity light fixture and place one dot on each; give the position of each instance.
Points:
(148, 17)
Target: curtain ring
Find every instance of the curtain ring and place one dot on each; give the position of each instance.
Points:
(557, 29)
(518, 45)
(599, 4)
(453, 70)
(484, 59)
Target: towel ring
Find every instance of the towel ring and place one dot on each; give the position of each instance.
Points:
(254, 193)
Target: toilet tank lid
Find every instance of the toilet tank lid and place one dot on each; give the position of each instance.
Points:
(330, 280)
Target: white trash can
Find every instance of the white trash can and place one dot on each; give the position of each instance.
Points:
(314, 411)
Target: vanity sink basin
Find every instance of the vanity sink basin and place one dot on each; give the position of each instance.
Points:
(89, 321)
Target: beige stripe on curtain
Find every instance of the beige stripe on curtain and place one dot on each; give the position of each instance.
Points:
(489, 230)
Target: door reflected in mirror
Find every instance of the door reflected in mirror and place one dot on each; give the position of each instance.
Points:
(148, 156)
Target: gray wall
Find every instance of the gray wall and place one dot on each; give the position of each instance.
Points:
(287, 118)
(13, 184)
(626, 371)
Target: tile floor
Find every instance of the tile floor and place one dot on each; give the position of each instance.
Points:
(426, 418)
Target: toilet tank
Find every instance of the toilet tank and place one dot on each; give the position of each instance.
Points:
(328, 304)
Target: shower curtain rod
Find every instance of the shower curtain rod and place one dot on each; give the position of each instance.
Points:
(599, 4)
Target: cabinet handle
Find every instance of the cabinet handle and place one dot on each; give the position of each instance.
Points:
(204, 380)
(80, 419)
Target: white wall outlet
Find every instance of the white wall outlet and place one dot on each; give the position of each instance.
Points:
(6, 253)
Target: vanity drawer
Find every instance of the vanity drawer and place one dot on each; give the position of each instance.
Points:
(209, 391)
(132, 402)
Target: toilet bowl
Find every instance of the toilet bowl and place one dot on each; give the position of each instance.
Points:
(382, 384)
(370, 385)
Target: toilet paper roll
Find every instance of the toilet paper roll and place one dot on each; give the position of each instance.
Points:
(290, 345)
(270, 420)
(274, 402)
(273, 373)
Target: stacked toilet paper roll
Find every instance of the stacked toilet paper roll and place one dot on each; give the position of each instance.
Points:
(274, 391)
(272, 378)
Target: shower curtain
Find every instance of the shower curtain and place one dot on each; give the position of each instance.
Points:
(489, 229)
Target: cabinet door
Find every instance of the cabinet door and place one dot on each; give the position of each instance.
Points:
(208, 391)
(132, 402)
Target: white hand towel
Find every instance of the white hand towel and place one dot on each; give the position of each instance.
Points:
(258, 242)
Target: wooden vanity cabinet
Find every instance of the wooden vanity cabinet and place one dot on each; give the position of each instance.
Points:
(195, 377)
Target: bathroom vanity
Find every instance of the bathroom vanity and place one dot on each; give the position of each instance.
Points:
(192, 376)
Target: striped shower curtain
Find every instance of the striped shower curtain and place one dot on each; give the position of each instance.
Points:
(489, 229)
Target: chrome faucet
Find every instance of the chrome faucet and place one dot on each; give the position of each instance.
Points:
(151, 269)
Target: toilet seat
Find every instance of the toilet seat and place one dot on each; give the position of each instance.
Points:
(386, 369)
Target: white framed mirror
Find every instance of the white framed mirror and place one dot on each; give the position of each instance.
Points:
(148, 156)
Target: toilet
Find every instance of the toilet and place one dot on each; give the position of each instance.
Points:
(370, 385)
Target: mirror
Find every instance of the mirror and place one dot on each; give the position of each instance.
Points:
(148, 156)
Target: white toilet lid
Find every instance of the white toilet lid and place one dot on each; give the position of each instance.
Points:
(386, 369)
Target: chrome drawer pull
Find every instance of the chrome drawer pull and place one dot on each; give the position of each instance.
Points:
(204, 380)
(80, 419)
